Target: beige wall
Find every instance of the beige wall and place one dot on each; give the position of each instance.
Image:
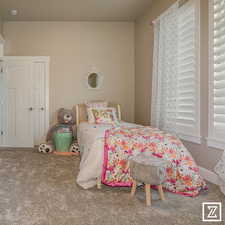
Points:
(74, 47)
(1, 38)
(205, 157)
(0, 25)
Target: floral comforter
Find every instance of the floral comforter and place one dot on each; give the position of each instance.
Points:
(181, 176)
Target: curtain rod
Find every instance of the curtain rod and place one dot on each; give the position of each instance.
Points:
(180, 3)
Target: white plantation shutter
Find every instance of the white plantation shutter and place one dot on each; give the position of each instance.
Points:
(165, 71)
(176, 86)
(188, 85)
(217, 74)
(168, 72)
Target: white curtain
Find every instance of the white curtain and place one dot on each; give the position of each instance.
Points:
(165, 71)
(220, 170)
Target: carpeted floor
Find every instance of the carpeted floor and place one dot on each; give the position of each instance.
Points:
(39, 189)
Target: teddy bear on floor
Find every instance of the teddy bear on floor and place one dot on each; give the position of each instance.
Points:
(66, 122)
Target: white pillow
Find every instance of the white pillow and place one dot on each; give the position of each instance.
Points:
(91, 118)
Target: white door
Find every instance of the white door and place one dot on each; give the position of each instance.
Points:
(19, 128)
(2, 103)
(24, 104)
(40, 93)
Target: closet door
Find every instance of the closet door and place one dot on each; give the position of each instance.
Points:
(2, 104)
(19, 114)
(40, 96)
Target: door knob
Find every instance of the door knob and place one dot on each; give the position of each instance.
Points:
(30, 108)
(42, 108)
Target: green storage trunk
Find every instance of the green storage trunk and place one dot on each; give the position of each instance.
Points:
(63, 141)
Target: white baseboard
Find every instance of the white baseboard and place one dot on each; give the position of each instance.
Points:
(209, 175)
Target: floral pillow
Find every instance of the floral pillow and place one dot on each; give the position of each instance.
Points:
(94, 104)
(104, 115)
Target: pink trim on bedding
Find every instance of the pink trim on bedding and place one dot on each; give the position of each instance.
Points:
(105, 158)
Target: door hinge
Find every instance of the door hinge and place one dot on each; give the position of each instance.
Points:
(2, 133)
(1, 70)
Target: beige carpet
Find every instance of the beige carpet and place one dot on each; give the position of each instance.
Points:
(39, 189)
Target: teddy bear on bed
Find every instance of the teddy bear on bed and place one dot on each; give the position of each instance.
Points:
(65, 123)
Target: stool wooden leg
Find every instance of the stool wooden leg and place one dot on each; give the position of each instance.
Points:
(148, 194)
(133, 189)
(160, 189)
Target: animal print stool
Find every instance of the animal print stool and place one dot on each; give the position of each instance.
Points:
(147, 170)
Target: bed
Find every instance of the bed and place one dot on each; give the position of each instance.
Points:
(91, 141)
(95, 141)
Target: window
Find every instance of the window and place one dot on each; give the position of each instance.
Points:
(176, 86)
(217, 74)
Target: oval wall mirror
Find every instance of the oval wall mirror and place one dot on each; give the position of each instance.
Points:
(94, 80)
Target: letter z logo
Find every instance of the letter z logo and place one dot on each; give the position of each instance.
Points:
(211, 211)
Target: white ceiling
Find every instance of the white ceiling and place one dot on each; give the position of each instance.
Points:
(73, 10)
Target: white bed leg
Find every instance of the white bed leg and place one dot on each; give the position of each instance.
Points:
(99, 183)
